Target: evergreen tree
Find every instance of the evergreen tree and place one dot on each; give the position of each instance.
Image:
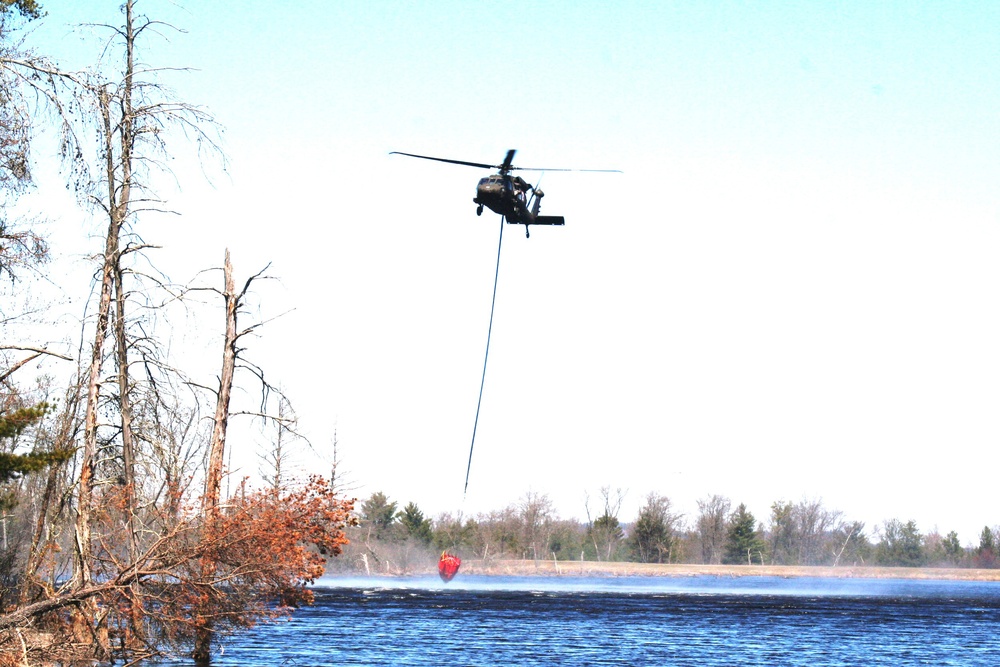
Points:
(743, 541)
(27, 8)
(952, 548)
(567, 541)
(986, 541)
(986, 552)
(380, 513)
(12, 425)
(415, 524)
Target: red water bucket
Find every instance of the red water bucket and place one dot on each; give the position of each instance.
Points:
(448, 566)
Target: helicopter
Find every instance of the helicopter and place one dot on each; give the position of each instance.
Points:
(511, 196)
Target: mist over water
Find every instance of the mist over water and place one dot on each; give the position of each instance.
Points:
(700, 584)
(632, 621)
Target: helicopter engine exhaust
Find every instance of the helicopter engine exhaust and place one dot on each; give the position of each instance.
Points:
(537, 195)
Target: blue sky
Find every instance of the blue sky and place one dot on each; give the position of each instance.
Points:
(790, 292)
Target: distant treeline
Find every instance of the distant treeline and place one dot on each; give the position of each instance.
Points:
(393, 539)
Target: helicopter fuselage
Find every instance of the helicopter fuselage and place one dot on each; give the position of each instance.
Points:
(505, 194)
(501, 195)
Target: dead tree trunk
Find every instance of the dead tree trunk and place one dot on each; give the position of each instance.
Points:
(217, 446)
(126, 136)
(111, 281)
(89, 454)
(87, 613)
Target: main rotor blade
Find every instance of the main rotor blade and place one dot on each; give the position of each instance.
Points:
(601, 171)
(505, 167)
(441, 159)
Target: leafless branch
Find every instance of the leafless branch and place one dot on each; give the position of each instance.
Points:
(20, 364)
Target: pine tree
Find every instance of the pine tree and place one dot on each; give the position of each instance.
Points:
(12, 425)
(27, 8)
(986, 552)
(743, 542)
(380, 513)
(416, 525)
(953, 550)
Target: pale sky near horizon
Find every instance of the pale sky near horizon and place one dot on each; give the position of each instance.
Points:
(791, 292)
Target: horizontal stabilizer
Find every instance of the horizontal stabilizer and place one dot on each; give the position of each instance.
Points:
(549, 220)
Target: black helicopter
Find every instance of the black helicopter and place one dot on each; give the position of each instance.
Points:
(509, 195)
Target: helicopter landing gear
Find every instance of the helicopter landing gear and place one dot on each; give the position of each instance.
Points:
(479, 210)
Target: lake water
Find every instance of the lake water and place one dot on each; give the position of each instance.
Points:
(702, 621)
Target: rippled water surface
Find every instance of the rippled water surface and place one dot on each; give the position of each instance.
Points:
(633, 621)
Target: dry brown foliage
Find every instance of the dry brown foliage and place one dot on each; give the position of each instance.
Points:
(252, 562)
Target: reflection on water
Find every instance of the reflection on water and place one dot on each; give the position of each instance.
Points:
(633, 621)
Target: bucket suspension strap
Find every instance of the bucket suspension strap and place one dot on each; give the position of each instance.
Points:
(486, 357)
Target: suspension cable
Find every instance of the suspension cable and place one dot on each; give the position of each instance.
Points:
(486, 357)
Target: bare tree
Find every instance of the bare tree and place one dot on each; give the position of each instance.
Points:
(499, 533)
(20, 247)
(129, 114)
(244, 539)
(814, 525)
(711, 527)
(801, 533)
(127, 378)
(536, 522)
(606, 531)
(231, 361)
(340, 478)
(277, 459)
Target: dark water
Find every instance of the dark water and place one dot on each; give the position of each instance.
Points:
(634, 621)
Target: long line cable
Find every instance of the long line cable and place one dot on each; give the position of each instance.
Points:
(486, 358)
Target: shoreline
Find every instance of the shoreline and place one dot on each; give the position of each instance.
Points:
(621, 569)
(549, 568)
